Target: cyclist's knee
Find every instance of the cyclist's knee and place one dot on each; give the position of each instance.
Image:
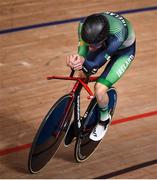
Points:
(100, 91)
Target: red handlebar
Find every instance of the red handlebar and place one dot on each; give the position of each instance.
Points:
(81, 80)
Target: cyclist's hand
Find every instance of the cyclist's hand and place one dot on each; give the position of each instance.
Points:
(69, 60)
(77, 65)
(75, 61)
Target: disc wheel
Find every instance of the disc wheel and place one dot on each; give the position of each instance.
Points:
(50, 133)
(84, 146)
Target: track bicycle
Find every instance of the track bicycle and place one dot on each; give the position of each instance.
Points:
(61, 117)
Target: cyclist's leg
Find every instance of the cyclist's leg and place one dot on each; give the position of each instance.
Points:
(112, 73)
(102, 99)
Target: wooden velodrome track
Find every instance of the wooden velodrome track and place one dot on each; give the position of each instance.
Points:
(27, 57)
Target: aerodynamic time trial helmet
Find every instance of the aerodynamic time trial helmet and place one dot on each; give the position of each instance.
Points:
(95, 29)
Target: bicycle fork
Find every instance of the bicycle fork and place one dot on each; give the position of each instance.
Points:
(77, 116)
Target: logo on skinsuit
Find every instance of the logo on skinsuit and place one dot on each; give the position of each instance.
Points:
(117, 16)
(123, 67)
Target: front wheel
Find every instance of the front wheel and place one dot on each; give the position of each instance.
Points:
(50, 133)
(84, 146)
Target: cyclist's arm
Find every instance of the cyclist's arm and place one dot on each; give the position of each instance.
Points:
(91, 66)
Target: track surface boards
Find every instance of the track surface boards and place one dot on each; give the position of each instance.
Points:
(28, 57)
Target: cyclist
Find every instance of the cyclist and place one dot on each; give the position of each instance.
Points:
(103, 38)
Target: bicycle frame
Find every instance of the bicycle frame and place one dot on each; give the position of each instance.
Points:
(75, 92)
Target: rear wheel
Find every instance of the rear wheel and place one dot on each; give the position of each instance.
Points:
(84, 146)
(50, 133)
